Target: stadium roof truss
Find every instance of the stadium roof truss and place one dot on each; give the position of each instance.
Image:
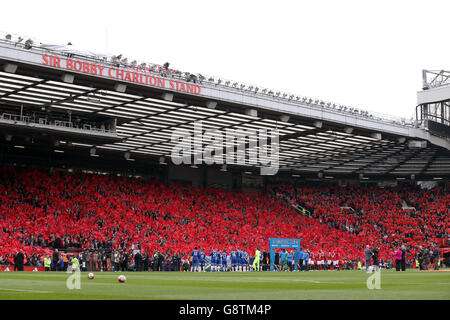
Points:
(145, 122)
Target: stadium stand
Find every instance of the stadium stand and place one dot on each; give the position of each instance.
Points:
(42, 210)
(378, 214)
(65, 107)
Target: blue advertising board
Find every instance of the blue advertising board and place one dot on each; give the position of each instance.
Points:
(275, 243)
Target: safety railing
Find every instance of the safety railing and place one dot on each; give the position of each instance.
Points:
(27, 119)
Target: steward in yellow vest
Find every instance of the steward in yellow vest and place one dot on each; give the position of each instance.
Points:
(75, 263)
(47, 263)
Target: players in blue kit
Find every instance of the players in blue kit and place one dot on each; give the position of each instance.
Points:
(195, 259)
(202, 259)
(233, 260)
(244, 256)
(237, 260)
(224, 261)
(213, 259)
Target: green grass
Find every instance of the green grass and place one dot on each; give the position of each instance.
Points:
(227, 286)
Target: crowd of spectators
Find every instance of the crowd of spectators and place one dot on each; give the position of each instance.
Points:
(111, 218)
(384, 217)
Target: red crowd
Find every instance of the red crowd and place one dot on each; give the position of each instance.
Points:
(387, 217)
(42, 209)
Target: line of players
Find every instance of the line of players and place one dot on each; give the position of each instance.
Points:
(219, 260)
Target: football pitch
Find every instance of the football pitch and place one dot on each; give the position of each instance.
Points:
(317, 285)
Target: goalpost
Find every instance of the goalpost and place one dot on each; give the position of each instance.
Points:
(285, 244)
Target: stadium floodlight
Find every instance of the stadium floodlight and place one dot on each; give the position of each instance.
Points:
(348, 130)
(162, 160)
(120, 87)
(211, 104)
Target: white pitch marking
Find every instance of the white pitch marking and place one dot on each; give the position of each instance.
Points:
(25, 290)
